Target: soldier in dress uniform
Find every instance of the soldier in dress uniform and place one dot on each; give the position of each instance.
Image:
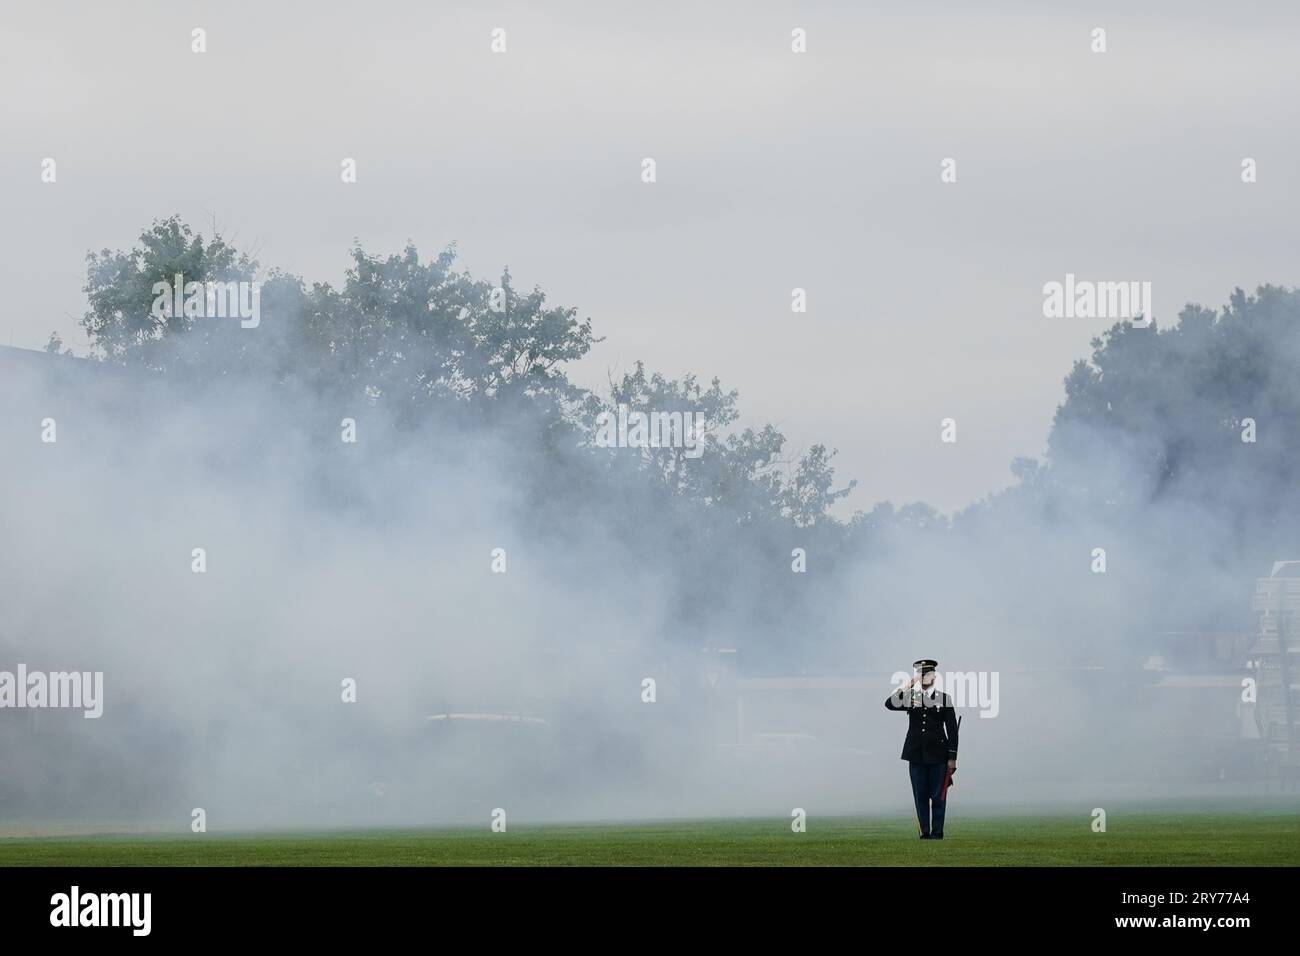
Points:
(931, 745)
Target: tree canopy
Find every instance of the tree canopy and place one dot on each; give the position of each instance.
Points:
(1195, 425)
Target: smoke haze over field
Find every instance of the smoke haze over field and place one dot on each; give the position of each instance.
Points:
(373, 561)
(1105, 583)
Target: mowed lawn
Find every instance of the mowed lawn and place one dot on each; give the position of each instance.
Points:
(1138, 840)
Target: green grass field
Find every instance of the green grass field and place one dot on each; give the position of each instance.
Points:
(1182, 839)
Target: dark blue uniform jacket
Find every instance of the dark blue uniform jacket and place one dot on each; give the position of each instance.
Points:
(931, 726)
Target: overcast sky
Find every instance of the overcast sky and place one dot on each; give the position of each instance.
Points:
(775, 170)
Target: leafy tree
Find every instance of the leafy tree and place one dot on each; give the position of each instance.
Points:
(1158, 417)
(807, 498)
(423, 341)
(120, 319)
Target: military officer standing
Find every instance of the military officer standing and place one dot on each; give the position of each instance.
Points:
(931, 745)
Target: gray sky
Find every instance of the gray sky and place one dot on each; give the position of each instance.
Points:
(775, 170)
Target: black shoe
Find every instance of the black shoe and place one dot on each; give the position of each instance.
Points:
(936, 836)
(926, 836)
